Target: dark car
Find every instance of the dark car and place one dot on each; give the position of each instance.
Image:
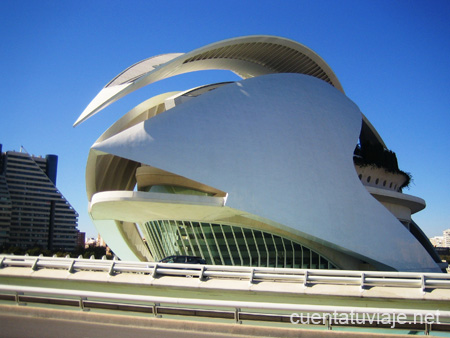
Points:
(183, 259)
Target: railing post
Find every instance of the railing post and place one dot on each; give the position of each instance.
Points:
(155, 310)
(252, 274)
(305, 280)
(363, 281)
(34, 266)
(17, 297)
(154, 270)
(71, 266)
(328, 321)
(111, 269)
(427, 328)
(1, 262)
(423, 282)
(200, 276)
(236, 315)
(82, 299)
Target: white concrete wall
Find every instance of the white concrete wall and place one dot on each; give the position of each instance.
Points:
(281, 146)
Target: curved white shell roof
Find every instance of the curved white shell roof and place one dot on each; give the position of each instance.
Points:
(246, 56)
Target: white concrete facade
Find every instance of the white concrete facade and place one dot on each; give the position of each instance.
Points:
(256, 167)
(446, 235)
(437, 241)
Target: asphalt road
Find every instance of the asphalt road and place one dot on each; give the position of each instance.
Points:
(27, 322)
(13, 326)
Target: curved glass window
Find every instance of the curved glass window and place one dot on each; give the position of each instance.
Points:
(221, 244)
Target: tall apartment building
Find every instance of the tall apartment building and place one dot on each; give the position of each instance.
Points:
(32, 210)
(446, 235)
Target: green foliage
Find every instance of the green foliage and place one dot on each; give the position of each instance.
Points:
(376, 155)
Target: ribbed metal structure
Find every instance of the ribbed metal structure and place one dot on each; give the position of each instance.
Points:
(262, 53)
(222, 244)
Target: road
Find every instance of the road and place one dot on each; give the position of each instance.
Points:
(27, 322)
(14, 326)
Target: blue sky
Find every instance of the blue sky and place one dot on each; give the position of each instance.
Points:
(392, 58)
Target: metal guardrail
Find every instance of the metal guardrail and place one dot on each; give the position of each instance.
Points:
(364, 279)
(328, 316)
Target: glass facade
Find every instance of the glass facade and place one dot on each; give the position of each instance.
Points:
(222, 244)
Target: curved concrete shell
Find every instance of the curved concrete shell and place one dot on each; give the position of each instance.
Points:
(246, 56)
(257, 172)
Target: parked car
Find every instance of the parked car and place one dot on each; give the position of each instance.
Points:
(183, 259)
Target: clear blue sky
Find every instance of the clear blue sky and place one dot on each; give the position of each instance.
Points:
(392, 58)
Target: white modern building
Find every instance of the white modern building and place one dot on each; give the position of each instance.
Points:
(446, 238)
(437, 241)
(280, 169)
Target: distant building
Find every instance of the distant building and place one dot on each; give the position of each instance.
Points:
(441, 241)
(437, 241)
(97, 243)
(100, 241)
(81, 239)
(32, 210)
(90, 242)
(446, 235)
